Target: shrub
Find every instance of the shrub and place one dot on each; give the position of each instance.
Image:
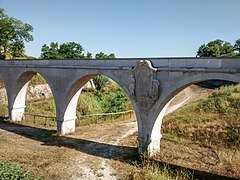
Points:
(100, 81)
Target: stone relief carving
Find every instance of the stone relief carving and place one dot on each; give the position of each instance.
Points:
(144, 86)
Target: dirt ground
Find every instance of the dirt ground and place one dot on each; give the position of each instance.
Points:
(98, 151)
(84, 155)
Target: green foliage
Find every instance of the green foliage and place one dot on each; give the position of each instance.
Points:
(112, 98)
(13, 34)
(100, 81)
(102, 55)
(88, 104)
(89, 55)
(51, 52)
(217, 48)
(70, 50)
(12, 172)
(237, 46)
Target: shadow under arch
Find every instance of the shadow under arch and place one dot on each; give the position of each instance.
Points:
(18, 98)
(178, 87)
(74, 90)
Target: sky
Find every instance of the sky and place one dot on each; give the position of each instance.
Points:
(128, 28)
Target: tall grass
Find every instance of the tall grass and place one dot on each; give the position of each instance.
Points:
(148, 170)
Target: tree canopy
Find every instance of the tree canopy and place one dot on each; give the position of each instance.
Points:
(69, 50)
(237, 46)
(102, 55)
(13, 34)
(218, 48)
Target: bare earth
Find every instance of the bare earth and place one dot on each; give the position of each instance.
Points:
(93, 152)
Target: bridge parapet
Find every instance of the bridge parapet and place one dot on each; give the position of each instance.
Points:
(187, 63)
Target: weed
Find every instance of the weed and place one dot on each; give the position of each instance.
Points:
(10, 171)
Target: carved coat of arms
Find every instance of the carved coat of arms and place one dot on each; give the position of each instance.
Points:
(144, 87)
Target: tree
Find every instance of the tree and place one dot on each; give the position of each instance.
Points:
(50, 52)
(70, 50)
(217, 48)
(89, 55)
(237, 46)
(13, 34)
(100, 81)
(102, 55)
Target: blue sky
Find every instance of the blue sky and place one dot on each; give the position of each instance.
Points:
(129, 28)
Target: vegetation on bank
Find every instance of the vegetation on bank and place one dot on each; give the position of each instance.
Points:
(212, 121)
(111, 98)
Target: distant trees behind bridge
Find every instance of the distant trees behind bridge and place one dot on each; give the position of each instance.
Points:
(219, 48)
(70, 50)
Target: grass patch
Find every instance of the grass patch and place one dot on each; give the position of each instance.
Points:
(10, 171)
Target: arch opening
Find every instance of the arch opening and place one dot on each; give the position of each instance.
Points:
(100, 106)
(208, 121)
(33, 100)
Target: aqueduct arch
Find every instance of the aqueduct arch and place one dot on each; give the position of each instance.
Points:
(72, 95)
(150, 84)
(17, 94)
(177, 87)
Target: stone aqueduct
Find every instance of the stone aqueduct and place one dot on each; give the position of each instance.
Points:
(150, 84)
